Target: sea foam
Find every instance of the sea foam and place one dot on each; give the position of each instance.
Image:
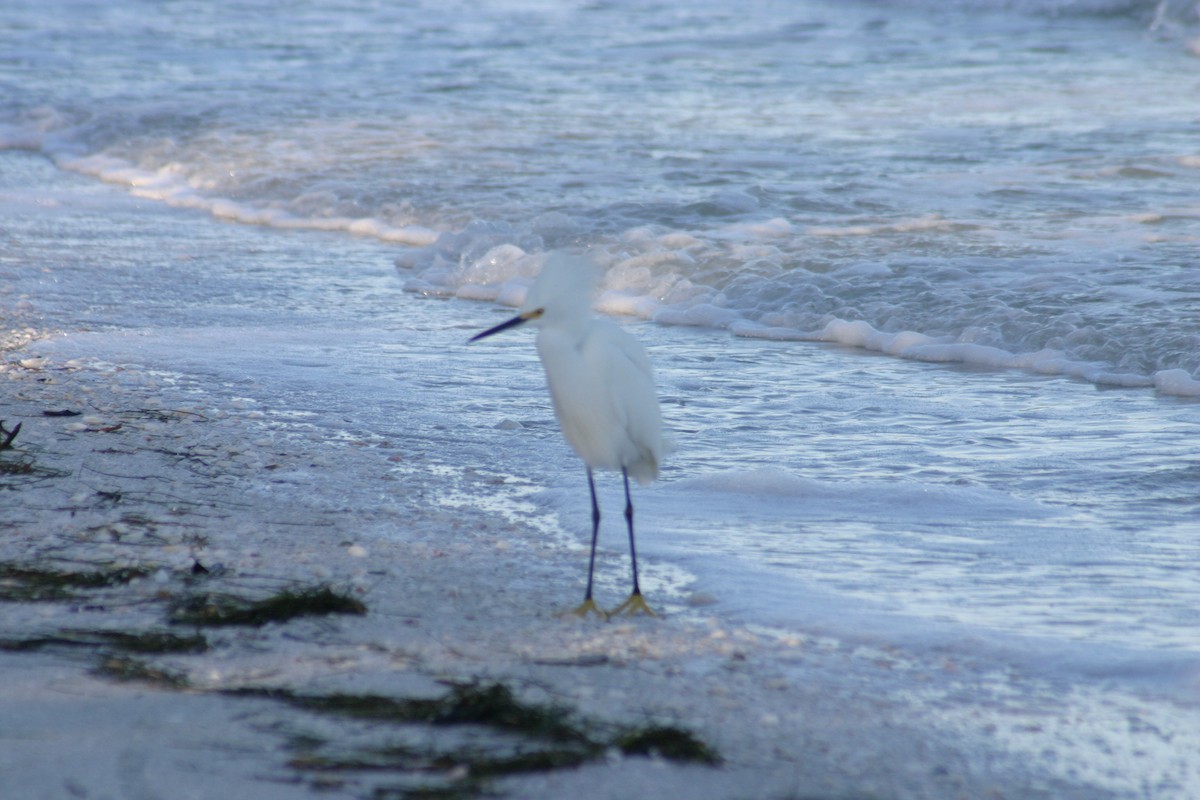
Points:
(169, 184)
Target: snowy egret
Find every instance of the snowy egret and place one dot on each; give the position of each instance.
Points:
(602, 389)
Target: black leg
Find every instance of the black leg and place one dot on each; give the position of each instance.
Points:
(636, 604)
(629, 523)
(595, 534)
(588, 606)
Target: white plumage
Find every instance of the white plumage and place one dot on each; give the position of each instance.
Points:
(602, 388)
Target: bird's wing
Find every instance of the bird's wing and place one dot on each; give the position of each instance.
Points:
(628, 383)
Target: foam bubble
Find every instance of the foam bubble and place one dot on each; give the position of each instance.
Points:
(920, 286)
(931, 222)
(1177, 382)
(678, 278)
(168, 184)
(703, 315)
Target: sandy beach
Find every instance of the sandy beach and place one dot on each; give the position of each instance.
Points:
(133, 492)
(917, 282)
(918, 286)
(171, 497)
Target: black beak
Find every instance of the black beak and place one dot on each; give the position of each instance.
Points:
(503, 326)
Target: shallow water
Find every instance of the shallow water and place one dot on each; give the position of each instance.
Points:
(956, 246)
(1005, 188)
(920, 511)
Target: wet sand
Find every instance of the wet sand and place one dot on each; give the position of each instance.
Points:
(162, 485)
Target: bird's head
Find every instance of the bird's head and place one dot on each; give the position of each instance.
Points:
(561, 296)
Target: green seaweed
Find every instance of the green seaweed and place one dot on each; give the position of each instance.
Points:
(144, 642)
(18, 467)
(489, 705)
(494, 705)
(527, 737)
(23, 470)
(426, 793)
(127, 668)
(665, 741)
(468, 737)
(224, 609)
(481, 765)
(29, 583)
(153, 642)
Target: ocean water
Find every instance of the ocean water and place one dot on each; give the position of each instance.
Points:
(919, 280)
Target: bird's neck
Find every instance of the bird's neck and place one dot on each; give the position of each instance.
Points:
(570, 327)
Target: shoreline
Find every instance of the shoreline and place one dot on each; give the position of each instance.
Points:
(194, 447)
(142, 481)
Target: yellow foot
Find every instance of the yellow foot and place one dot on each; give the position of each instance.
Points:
(636, 604)
(588, 607)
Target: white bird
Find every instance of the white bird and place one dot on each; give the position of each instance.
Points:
(602, 388)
